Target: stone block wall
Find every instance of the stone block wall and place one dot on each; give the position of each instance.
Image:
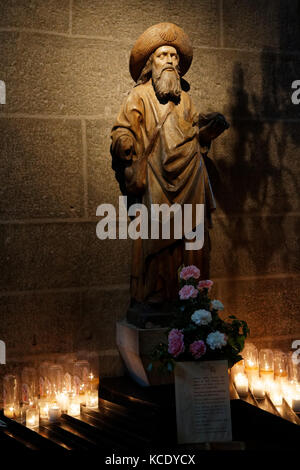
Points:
(65, 65)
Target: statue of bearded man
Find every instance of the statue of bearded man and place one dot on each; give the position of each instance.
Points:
(158, 144)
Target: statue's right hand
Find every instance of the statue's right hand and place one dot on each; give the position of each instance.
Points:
(125, 147)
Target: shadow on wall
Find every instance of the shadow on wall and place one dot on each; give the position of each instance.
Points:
(260, 176)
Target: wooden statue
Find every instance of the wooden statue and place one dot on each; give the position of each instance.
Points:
(158, 144)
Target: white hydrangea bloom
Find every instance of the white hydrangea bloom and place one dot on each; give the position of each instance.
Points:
(217, 305)
(216, 340)
(201, 317)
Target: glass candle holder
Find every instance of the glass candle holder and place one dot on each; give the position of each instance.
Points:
(32, 418)
(63, 400)
(92, 399)
(266, 364)
(44, 408)
(29, 384)
(241, 384)
(238, 367)
(44, 380)
(12, 410)
(11, 396)
(74, 406)
(56, 374)
(250, 356)
(280, 366)
(80, 376)
(92, 382)
(292, 368)
(67, 382)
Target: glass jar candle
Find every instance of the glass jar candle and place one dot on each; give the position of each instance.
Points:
(80, 377)
(241, 384)
(266, 364)
(56, 374)
(92, 382)
(44, 408)
(258, 388)
(29, 385)
(44, 380)
(12, 410)
(54, 413)
(63, 400)
(74, 406)
(32, 418)
(92, 399)
(68, 374)
(250, 356)
(280, 366)
(292, 369)
(11, 403)
(238, 367)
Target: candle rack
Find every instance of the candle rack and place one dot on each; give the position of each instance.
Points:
(131, 418)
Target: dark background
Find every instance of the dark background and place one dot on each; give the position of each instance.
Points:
(65, 64)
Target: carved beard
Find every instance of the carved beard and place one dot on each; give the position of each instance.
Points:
(167, 84)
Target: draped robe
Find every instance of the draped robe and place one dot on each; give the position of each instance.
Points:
(174, 172)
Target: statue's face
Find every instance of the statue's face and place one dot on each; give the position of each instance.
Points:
(163, 56)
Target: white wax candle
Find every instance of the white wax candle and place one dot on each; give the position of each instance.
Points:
(242, 384)
(258, 389)
(54, 414)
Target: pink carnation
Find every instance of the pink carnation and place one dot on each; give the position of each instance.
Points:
(205, 284)
(187, 291)
(189, 271)
(197, 348)
(176, 344)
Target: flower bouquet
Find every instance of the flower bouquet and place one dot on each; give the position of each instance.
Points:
(198, 332)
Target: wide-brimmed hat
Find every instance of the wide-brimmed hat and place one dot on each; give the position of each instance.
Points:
(161, 34)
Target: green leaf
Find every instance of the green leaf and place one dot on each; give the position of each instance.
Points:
(150, 367)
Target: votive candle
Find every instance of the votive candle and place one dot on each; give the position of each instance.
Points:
(258, 388)
(54, 413)
(92, 399)
(74, 407)
(241, 384)
(32, 418)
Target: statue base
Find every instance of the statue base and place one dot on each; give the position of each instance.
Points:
(146, 315)
(135, 345)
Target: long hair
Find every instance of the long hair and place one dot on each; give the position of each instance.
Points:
(146, 73)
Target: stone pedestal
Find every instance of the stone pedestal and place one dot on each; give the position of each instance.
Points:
(135, 345)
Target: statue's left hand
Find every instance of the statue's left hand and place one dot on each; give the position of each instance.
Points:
(211, 126)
